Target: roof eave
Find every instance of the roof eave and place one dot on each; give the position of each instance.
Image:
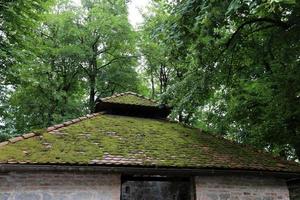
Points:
(135, 170)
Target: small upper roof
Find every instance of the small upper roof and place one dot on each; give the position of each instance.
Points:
(130, 98)
(112, 140)
(132, 104)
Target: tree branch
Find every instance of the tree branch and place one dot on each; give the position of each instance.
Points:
(114, 60)
(277, 23)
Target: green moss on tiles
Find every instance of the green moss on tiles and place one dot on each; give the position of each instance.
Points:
(132, 100)
(39, 131)
(153, 141)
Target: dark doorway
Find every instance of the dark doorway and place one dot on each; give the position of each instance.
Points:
(156, 188)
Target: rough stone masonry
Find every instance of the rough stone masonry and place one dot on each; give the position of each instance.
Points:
(59, 186)
(95, 186)
(240, 188)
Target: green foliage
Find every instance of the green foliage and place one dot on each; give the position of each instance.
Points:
(18, 19)
(4, 136)
(108, 44)
(71, 52)
(118, 78)
(48, 90)
(159, 67)
(239, 64)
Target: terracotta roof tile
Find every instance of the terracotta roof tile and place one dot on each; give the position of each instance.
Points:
(16, 139)
(51, 128)
(28, 135)
(3, 143)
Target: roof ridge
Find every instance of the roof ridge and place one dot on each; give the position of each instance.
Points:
(131, 93)
(49, 129)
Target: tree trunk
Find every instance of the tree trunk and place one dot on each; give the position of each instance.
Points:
(92, 83)
(152, 84)
(92, 76)
(163, 77)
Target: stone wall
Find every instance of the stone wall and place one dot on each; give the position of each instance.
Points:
(59, 186)
(240, 188)
(89, 186)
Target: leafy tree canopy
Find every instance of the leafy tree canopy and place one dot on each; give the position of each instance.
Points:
(71, 54)
(239, 68)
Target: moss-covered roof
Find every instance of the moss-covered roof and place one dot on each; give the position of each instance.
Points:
(130, 98)
(118, 140)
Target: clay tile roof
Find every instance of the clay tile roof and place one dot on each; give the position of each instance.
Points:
(130, 98)
(112, 140)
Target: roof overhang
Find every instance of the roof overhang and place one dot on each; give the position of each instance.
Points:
(132, 170)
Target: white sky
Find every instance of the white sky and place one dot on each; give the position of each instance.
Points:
(135, 7)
